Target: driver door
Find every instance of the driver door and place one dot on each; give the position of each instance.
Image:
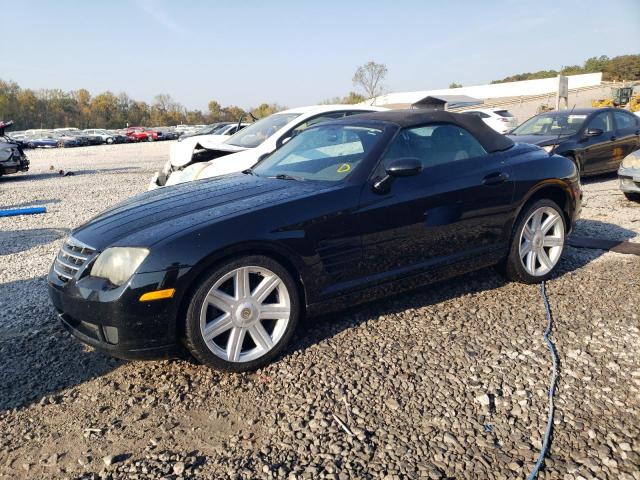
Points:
(598, 150)
(456, 208)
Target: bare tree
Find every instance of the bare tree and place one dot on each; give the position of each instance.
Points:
(369, 77)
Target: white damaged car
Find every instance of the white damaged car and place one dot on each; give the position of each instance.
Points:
(201, 157)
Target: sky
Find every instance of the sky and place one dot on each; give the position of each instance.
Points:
(298, 52)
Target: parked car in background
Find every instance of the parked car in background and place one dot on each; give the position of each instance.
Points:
(141, 134)
(102, 135)
(44, 140)
(166, 133)
(499, 119)
(207, 130)
(219, 155)
(629, 176)
(597, 139)
(121, 136)
(12, 157)
(344, 212)
(67, 140)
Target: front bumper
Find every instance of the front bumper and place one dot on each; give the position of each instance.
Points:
(629, 179)
(114, 321)
(14, 164)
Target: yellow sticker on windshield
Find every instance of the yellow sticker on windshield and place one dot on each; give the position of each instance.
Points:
(344, 168)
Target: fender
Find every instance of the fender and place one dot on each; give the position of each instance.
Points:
(555, 184)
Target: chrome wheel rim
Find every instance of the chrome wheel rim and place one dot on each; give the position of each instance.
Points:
(245, 314)
(541, 241)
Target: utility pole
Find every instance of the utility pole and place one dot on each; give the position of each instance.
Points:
(563, 91)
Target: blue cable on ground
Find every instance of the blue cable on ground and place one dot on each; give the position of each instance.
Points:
(552, 388)
(22, 211)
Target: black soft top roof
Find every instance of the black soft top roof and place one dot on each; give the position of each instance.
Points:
(491, 140)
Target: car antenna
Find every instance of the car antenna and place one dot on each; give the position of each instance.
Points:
(555, 144)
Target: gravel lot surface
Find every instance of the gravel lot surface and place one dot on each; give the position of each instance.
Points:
(449, 381)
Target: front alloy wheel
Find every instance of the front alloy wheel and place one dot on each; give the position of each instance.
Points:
(243, 315)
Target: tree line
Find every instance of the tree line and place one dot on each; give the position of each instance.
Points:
(620, 68)
(53, 108)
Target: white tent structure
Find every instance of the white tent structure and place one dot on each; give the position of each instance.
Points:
(523, 88)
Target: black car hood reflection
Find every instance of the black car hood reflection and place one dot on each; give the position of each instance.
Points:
(153, 216)
(540, 140)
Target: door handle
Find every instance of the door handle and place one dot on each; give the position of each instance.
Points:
(614, 138)
(495, 178)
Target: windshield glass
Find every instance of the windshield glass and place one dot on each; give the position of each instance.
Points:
(327, 153)
(551, 124)
(258, 132)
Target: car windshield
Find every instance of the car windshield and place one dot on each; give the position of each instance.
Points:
(326, 153)
(551, 124)
(255, 134)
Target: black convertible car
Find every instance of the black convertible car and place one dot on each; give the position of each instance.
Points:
(597, 139)
(344, 212)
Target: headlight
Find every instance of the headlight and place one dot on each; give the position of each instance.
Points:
(632, 160)
(548, 148)
(117, 264)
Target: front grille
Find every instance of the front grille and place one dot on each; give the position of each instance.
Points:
(71, 258)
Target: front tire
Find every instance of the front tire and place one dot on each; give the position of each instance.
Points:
(243, 314)
(537, 243)
(633, 196)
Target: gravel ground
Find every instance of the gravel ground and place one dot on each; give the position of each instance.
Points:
(449, 381)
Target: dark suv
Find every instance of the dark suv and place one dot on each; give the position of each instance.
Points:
(597, 139)
(12, 157)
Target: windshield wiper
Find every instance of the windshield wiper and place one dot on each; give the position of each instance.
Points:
(286, 176)
(249, 171)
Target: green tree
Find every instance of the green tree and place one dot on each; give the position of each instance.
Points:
(455, 85)
(265, 109)
(215, 111)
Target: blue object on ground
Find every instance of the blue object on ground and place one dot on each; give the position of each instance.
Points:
(22, 211)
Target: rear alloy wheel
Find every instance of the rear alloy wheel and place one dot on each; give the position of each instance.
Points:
(243, 315)
(537, 244)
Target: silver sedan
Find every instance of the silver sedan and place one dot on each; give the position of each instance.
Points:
(629, 176)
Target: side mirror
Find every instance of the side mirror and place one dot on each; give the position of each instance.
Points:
(593, 132)
(404, 167)
(262, 157)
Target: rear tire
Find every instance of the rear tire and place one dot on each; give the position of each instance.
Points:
(243, 314)
(537, 243)
(633, 196)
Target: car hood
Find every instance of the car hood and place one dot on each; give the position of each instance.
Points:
(540, 140)
(181, 153)
(154, 216)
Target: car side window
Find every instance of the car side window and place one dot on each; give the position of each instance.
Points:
(625, 120)
(602, 121)
(325, 117)
(478, 114)
(434, 145)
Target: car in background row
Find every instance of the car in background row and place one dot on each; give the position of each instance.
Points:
(141, 134)
(12, 157)
(220, 155)
(629, 176)
(43, 141)
(597, 139)
(499, 119)
(166, 134)
(346, 211)
(207, 130)
(102, 135)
